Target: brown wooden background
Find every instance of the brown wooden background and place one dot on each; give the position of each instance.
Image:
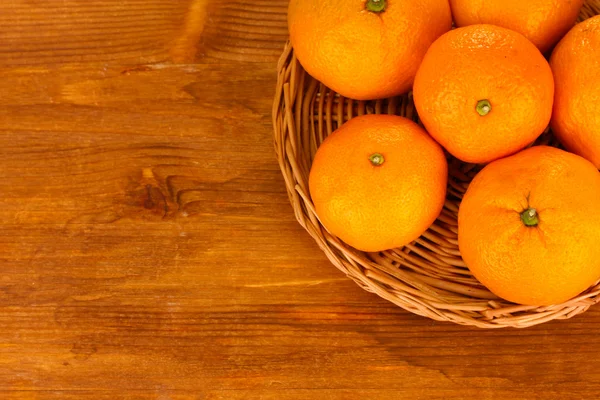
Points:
(148, 249)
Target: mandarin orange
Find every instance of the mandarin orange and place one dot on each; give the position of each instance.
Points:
(378, 182)
(365, 49)
(528, 226)
(543, 22)
(484, 92)
(576, 66)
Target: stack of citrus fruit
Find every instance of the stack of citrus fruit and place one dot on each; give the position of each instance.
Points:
(484, 92)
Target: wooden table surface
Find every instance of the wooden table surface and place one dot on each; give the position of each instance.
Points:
(148, 249)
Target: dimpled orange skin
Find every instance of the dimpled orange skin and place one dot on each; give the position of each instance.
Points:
(361, 54)
(576, 66)
(543, 265)
(543, 22)
(375, 208)
(484, 62)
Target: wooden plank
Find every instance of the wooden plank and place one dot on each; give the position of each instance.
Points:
(244, 30)
(43, 32)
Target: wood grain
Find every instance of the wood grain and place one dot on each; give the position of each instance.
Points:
(148, 249)
(246, 31)
(42, 32)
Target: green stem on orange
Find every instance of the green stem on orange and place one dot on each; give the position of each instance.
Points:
(530, 217)
(483, 107)
(375, 6)
(376, 159)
